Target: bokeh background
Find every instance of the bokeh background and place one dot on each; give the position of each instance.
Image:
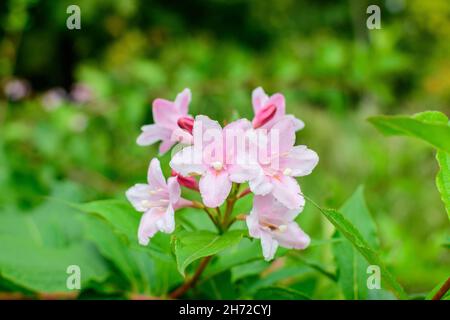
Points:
(72, 101)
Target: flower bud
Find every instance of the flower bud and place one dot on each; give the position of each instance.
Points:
(186, 123)
(264, 115)
(188, 182)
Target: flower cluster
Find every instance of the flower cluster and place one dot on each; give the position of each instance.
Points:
(216, 161)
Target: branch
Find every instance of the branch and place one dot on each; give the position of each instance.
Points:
(442, 290)
(191, 282)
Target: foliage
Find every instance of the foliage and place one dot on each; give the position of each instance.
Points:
(334, 73)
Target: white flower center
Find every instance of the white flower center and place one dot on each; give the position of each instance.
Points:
(217, 165)
(282, 228)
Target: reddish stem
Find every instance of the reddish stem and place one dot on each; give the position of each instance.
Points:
(191, 283)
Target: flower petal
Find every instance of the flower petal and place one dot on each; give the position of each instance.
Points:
(269, 245)
(137, 194)
(181, 136)
(300, 161)
(281, 137)
(182, 101)
(214, 188)
(155, 176)
(151, 134)
(253, 224)
(166, 223)
(259, 99)
(298, 124)
(287, 191)
(165, 146)
(147, 226)
(165, 113)
(292, 237)
(187, 161)
(174, 190)
(261, 185)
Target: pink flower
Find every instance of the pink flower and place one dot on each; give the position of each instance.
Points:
(212, 156)
(274, 224)
(167, 116)
(270, 110)
(281, 163)
(157, 200)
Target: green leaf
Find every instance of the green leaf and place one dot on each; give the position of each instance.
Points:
(346, 228)
(245, 251)
(248, 269)
(352, 267)
(190, 246)
(37, 247)
(279, 293)
(432, 127)
(148, 270)
(443, 178)
(428, 126)
(44, 269)
(120, 214)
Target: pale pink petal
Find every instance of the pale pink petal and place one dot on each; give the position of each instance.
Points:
(253, 225)
(181, 136)
(271, 210)
(174, 189)
(234, 141)
(282, 137)
(152, 133)
(214, 188)
(182, 101)
(203, 124)
(155, 176)
(261, 185)
(165, 146)
(287, 191)
(298, 124)
(147, 226)
(165, 113)
(259, 99)
(269, 245)
(137, 195)
(292, 237)
(300, 161)
(241, 124)
(166, 223)
(242, 173)
(187, 162)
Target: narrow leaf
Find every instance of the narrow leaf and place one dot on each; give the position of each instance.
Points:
(352, 266)
(352, 234)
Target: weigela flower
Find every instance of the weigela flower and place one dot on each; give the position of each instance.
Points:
(158, 200)
(167, 116)
(270, 110)
(274, 224)
(213, 157)
(280, 164)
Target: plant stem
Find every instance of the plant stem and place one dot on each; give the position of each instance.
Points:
(191, 282)
(442, 290)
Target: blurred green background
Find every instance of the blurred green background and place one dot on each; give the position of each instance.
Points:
(73, 101)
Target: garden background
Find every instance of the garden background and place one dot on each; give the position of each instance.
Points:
(73, 101)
